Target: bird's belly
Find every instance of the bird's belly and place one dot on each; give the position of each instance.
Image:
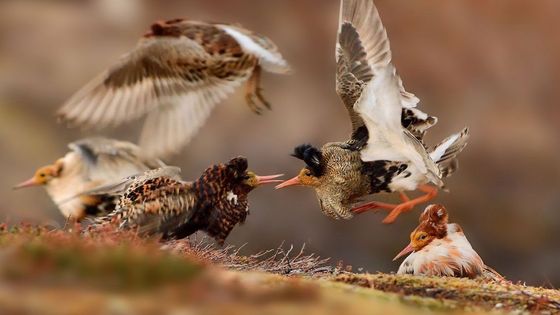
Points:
(408, 180)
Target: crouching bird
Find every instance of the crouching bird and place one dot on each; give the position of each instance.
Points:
(439, 248)
(175, 76)
(386, 152)
(159, 202)
(91, 162)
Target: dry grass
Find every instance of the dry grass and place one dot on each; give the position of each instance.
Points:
(64, 272)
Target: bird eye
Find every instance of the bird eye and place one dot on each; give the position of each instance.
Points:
(422, 237)
(42, 175)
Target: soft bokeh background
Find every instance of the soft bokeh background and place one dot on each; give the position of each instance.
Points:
(493, 66)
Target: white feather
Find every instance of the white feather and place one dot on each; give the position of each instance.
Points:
(439, 151)
(270, 60)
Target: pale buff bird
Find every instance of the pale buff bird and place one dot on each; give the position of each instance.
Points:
(386, 152)
(439, 248)
(175, 76)
(91, 162)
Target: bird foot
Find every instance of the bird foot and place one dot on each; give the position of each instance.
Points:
(256, 101)
(394, 214)
(374, 206)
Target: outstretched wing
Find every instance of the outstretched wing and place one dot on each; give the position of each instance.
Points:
(166, 76)
(107, 160)
(371, 89)
(362, 49)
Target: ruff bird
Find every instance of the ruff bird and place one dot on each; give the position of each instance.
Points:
(386, 152)
(159, 202)
(91, 162)
(439, 248)
(175, 76)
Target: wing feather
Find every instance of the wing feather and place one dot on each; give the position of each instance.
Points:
(108, 160)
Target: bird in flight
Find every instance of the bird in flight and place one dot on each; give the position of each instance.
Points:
(386, 151)
(175, 76)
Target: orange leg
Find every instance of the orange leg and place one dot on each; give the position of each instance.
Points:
(431, 193)
(376, 205)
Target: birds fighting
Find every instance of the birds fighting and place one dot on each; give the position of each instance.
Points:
(439, 248)
(159, 202)
(91, 162)
(386, 152)
(175, 76)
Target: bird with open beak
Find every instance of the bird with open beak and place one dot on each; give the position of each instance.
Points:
(175, 76)
(386, 152)
(91, 162)
(159, 202)
(439, 248)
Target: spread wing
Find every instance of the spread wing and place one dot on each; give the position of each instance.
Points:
(108, 160)
(165, 76)
(362, 47)
(370, 88)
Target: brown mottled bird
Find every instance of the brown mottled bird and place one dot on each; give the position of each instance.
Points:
(91, 162)
(439, 248)
(175, 76)
(386, 152)
(159, 202)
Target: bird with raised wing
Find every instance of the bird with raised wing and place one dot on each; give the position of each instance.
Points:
(439, 248)
(159, 202)
(386, 152)
(91, 162)
(175, 76)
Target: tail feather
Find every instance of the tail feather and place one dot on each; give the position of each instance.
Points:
(445, 153)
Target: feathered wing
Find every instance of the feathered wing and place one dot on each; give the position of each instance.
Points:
(372, 91)
(362, 53)
(108, 160)
(160, 74)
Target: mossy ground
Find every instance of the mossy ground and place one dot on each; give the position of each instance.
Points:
(58, 272)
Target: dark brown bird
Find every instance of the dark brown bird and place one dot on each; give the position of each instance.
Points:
(159, 202)
(386, 152)
(175, 76)
(91, 163)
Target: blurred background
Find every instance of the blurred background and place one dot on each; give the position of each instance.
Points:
(493, 66)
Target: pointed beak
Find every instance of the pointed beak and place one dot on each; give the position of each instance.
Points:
(28, 183)
(406, 250)
(269, 179)
(290, 182)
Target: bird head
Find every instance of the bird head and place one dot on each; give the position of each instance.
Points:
(433, 225)
(42, 176)
(238, 173)
(311, 173)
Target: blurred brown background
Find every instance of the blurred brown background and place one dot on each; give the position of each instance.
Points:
(493, 66)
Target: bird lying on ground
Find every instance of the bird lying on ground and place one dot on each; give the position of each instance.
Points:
(386, 152)
(439, 248)
(159, 202)
(175, 76)
(91, 162)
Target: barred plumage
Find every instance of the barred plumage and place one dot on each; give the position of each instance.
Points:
(158, 202)
(386, 151)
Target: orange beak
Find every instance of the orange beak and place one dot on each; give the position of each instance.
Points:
(269, 179)
(406, 250)
(290, 182)
(28, 183)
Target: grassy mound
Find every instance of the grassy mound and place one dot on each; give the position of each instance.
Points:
(60, 272)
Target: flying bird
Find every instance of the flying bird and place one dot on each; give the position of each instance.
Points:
(159, 202)
(175, 76)
(91, 162)
(439, 248)
(386, 152)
